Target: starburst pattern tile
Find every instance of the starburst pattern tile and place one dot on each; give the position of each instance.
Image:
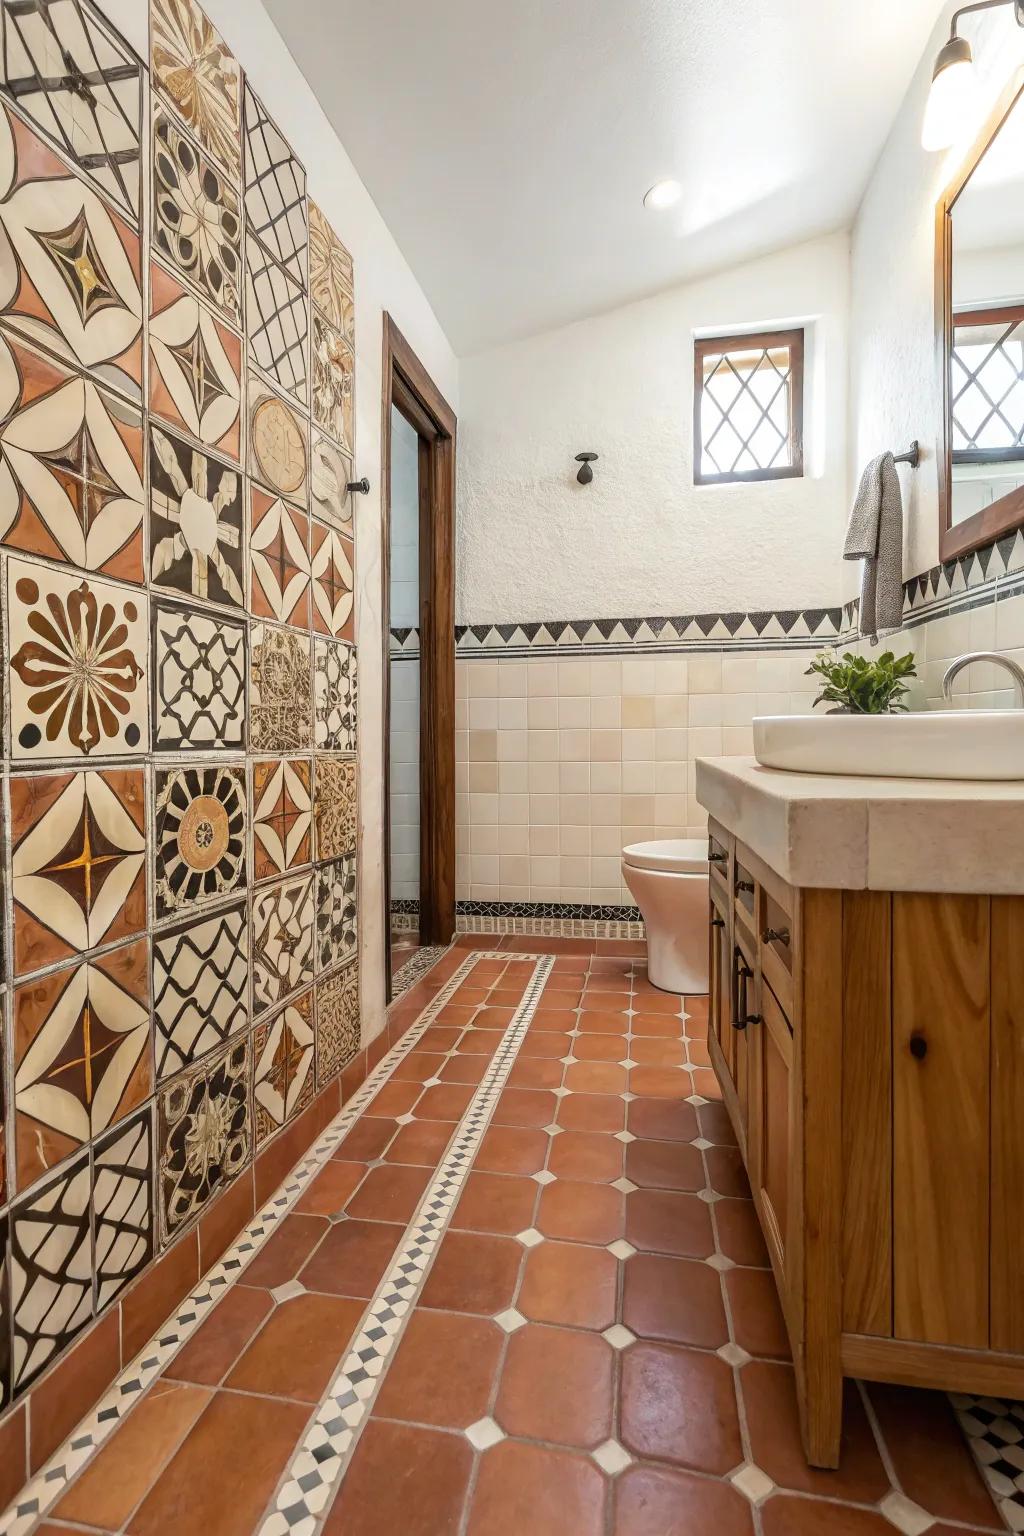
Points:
(196, 521)
(282, 815)
(279, 565)
(195, 366)
(283, 1074)
(332, 583)
(283, 919)
(200, 826)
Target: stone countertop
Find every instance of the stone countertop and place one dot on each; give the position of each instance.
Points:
(853, 834)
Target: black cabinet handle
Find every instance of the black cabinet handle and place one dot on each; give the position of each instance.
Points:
(718, 922)
(776, 936)
(745, 885)
(918, 1047)
(718, 858)
(749, 1018)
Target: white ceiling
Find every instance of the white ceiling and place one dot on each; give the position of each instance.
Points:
(508, 145)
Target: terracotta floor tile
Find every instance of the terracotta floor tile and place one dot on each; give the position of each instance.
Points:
(653, 1001)
(480, 1042)
(121, 1473)
(660, 1083)
(595, 1077)
(512, 1149)
(602, 1023)
(506, 996)
(680, 1406)
(333, 1185)
(652, 1501)
(726, 1172)
(582, 1213)
(587, 1156)
(189, 1501)
(223, 1221)
(550, 1019)
(559, 999)
(286, 1252)
(698, 1053)
(443, 1370)
(545, 1043)
(658, 1221)
(557, 1385)
(715, 1124)
(446, 1101)
(606, 1002)
(394, 1099)
(739, 1233)
(422, 1142)
(592, 1112)
(367, 1139)
(147, 1304)
(664, 1165)
(930, 1455)
(67, 1392)
(655, 1052)
(389, 1194)
(600, 1047)
(678, 1301)
(463, 1069)
(217, 1343)
(655, 1025)
(440, 1037)
(525, 1488)
(536, 1074)
(496, 1202)
(497, 1019)
(706, 1083)
(402, 1480)
(661, 1120)
(526, 1107)
(473, 1273)
(786, 1516)
(352, 1258)
(457, 1015)
(297, 1351)
(696, 1005)
(569, 1284)
(418, 1066)
(756, 1313)
(769, 1397)
(13, 1455)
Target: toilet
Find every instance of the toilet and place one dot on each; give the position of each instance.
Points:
(669, 883)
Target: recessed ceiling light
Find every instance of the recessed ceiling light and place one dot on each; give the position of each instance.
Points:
(663, 194)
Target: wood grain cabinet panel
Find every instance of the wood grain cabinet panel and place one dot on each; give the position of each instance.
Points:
(1007, 1245)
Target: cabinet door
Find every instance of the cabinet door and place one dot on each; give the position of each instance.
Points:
(720, 1001)
(773, 1074)
(745, 1019)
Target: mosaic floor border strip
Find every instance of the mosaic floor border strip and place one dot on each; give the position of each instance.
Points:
(550, 927)
(41, 1492)
(994, 1429)
(414, 968)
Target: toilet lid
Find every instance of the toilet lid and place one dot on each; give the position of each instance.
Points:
(682, 856)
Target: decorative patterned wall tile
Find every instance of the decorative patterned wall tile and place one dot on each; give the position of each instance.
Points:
(51, 1271)
(330, 474)
(279, 568)
(334, 808)
(195, 379)
(77, 669)
(278, 443)
(331, 284)
(196, 224)
(334, 696)
(5, 1313)
(4, 1181)
(203, 1136)
(282, 940)
(276, 322)
(81, 1055)
(198, 681)
(283, 1075)
(335, 912)
(198, 73)
(333, 368)
(333, 580)
(200, 987)
(275, 190)
(122, 1206)
(70, 466)
(281, 816)
(72, 264)
(337, 1022)
(78, 863)
(199, 835)
(279, 690)
(41, 44)
(196, 521)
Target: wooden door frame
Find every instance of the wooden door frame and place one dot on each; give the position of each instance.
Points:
(407, 385)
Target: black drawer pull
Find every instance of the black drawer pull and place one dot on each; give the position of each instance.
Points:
(918, 1047)
(745, 972)
(718, 922)
(776, 936)
(718, 858)
(750, 1018)
(745, 885)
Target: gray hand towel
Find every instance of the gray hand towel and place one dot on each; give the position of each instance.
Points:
(875, 535)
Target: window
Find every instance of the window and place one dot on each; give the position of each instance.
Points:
(748, 407)
(987, 385)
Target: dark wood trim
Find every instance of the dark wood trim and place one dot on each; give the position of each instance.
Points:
(756, 341)
(1007, 513)
(407, 385)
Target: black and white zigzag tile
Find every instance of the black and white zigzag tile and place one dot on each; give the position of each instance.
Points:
(995, 1434)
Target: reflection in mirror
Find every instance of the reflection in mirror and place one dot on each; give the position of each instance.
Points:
(986, 394)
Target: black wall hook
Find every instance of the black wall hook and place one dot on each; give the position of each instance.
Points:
(362, 486)
(585, 474)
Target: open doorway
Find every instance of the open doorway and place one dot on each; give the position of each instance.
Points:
(418, 510)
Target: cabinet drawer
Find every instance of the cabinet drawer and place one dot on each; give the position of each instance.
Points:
(775, 1121)
(718, 864)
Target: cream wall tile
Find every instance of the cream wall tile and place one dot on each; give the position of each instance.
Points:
(542, 746)
(638, 778)
(670, 746)
(483, 839)
(670, 810)
(573, 677)
(671, 709)
(670, 778)
(512, 713)
(637, 808)
(606, 677)
(482, 808)
(1009, 624)
(544, 810)
(574, 873)
(543, 840)
(542, 679)
(737, 740)
(605, 745)
(573, 712)
(543, 871)
(461, 714)
(513, 893)
(638, 834)
(574, 840)
(514, 870)
(513, 778)
(574, 810)
(705, 709)
(483, 714)
(574, 746)
(605, 712)
(637, 710)
(637, 674)
(512, 746)
(738, 708)
(542, 713)
(773, 704)
(605, 810)
(605, 777)
(543, 778)
(606, 872)
(739, 674)
(705, 674)
(483, 869)
(483, 746)
(512, 679)
(483, 679)
(606, 841)
(514, 810)
(772, 674)
(637, 745)
(461, 776)
(671, 674)
(706, 741)
(574, 778)
(462, 810)
(513, 839)
(483, 776)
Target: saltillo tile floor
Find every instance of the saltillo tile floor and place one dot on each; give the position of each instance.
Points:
(518, 1285)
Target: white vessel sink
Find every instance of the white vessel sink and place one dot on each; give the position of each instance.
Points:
(935, 744)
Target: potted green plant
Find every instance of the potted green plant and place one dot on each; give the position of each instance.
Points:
(856, 686)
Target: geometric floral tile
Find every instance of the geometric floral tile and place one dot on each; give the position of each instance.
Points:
(278, 440)
(283, 1066)
(332, 583)
(335, 913)
(334, 808)
(278, 560)
(281, 816)
(78, 651)
(197, 72)
(195, 217)
(330, 474)
(123, 1205)
(276, 321)
(337, 1022)
(40, 46)
(81, 1055)
(70, 466)
(334, 695)
(199, 834)
(72, 276)
(275, 190)
(78, 862)
(279, 690)
(203, 1135)
(51, 1271)
(200, 987)
(282, 941)
(333, 364)
(198, 681)
(330, 275)
(195, 366)
(196, 521)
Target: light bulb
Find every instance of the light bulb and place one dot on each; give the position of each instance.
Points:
(953, 98)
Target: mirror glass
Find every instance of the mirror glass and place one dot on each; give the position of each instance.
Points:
(986, 364)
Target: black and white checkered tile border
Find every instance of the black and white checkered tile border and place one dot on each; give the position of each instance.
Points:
(37, 1497)
(416, 966)
(995, 1433)
(309, 1484)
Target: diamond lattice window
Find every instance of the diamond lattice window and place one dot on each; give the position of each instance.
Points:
(748, 407)
(987, 385)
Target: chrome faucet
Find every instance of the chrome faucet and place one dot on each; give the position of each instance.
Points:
(998, 659)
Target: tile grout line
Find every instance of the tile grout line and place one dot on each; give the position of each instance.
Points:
(53, 1478)
(307, 1489)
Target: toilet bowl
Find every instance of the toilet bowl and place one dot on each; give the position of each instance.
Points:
(669, 883)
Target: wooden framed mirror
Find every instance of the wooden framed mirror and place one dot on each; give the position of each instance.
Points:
(979, 270)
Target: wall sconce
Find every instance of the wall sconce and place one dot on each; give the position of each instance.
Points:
(361, 487)
(952, 98)
(585, 474)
